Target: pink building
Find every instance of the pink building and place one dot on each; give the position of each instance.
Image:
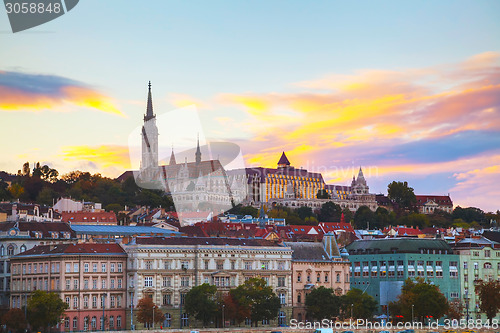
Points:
(90, 278)
(314, 265)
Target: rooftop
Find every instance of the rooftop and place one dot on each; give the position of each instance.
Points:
(397, 245)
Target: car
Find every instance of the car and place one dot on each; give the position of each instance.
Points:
(384, 332)
(450, 331)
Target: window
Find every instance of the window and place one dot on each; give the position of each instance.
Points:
(220, 265)
(184, 320)
(94, 301)
(75, 323)
(357, 269)
(265, 265)
(118, 321)
(10, 250)
(120, 283)
(148, 281)
(86, 267)
(308, 277)
(168, 320)
(111, 322)
(112, 284)
(149, 264)
(475, 253)
(120, 269)
(167, 281)
(299, 298)
(184, 281)
(206, 264)
(282, 297)
(94, 267)
(112, 301)
(86, 284)
(68, 284)
(85, 302)
(93, 323)
(103, 284)
(183, 297)
(281, 281)
(338, 278)
(454, 295)
(281, 265)
(476, 265)
(75, 302)
(318, 277)
(299, 277)
(326, 277)
(167, 264)
(119, 301)
(66, 323)
(233, 264)
(487, 265)
(94, 283)
(112, 267)
(103, 267)
(167, 299)
(465, 264)
(67, 299)
(248, 265)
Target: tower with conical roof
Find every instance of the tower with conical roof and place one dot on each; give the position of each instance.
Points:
(172, 158)
(149, 137)
(359, 185)
(283, 162)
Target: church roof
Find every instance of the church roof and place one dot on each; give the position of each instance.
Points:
(149, 109)
(283, 160)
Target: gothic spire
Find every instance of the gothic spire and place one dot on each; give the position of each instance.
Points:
(172, 158)
(149, 110)
(198, 152)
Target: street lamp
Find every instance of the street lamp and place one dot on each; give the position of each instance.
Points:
(223, 323)
(412, 313)
(103, 308)
(154, 307)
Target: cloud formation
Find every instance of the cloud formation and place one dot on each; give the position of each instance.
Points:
(109, 159)
(33, 92)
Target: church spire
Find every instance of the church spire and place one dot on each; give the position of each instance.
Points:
(198, 152)
(149, 109)
(172, 158)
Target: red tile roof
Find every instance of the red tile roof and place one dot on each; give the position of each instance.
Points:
(84, 248)
(334, 226)
(443, 200)
(89, 217)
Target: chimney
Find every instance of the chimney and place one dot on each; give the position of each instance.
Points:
(14, 212)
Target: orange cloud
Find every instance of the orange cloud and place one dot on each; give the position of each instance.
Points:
(104, 155)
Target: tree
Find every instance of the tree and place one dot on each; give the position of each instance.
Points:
(46, 195)
(455, 310)
(470, 215)
(363, 305)
(114, 207)
(323, 194)
(414, 220)
(15, 320)
(304, 212)
(348, 215)
(489, 296)
(364, 217)
(201, 302)
(258, 298)
(145, 308)
(236, 310)
(426, 300)
(322, 303)
(330, 212)
(5, 194)
(45, 309)
(16, 190)
(402, 194)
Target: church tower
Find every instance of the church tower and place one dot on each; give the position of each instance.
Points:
(197, 155)
(149, 137)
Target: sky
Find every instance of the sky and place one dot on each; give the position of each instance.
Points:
(410, 91)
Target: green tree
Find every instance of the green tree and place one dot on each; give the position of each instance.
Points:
(489, 296)
(402, 195)
(113, 207)
(258, 298)
(5, 194)
(364, 218)
(16, 190)
(414, 220)
(45, 309)
(15, 320)
(348, 215)
(201, 303)
(469, 215)
(383, 218)
(330, 212)
(322, 303)
(426, 300)
(323, 194)
(361, 304)
(145, 308)
(46, 196)
(304, 212)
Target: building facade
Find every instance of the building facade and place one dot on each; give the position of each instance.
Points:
(165, 269)
(314, 265)
(479, 261)
(90, 278)
(18, 237)
(380, 266)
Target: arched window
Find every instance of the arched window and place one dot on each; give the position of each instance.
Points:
(184, 320)
(86, 323)
(168, 320)
(281, 318)
(22, 248)
(10, 250)
(66, 323)
(111, 322)
(75, 323)
(338, 277)
(119, 322)
(93, 323)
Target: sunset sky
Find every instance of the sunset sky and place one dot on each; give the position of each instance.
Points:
(407, 90)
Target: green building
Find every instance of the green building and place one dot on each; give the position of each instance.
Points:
(379, 267)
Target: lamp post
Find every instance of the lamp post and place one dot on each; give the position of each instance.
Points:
(103, 308)
(131, 310)
(223, 323)
(467, 304)
(412, 313)
(154, 307)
